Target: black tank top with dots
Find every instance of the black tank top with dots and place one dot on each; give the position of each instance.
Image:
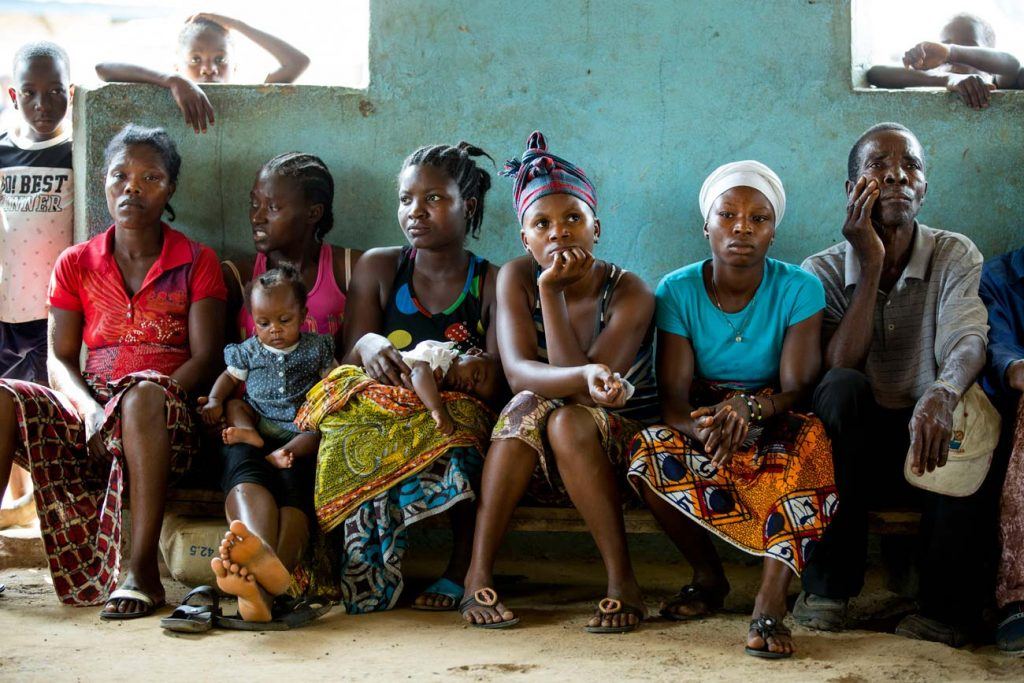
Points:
(407, 322)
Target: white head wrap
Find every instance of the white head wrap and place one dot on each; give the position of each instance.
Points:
(747, 173)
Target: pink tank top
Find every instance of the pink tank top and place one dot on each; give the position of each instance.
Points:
(325, 303)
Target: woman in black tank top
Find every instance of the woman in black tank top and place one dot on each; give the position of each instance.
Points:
(432, 289)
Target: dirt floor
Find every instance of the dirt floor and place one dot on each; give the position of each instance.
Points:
(41, 640)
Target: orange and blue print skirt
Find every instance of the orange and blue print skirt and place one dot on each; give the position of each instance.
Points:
(773, 499)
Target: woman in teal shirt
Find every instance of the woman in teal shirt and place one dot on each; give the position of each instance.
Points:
(739, 347)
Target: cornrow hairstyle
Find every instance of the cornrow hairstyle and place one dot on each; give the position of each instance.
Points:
(458, 163)
(196, 27)
(853, 160)
(285, 275)
(155, 138)
(313, 178)
(42, 49)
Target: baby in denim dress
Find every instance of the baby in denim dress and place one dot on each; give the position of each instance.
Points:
(278, 365)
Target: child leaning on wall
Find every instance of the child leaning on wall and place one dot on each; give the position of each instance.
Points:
(205, 55)
(964, 62)
(37, 223)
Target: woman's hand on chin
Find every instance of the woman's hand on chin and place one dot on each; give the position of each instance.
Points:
(569, 266)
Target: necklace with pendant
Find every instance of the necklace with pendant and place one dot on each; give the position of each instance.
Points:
(737, 331)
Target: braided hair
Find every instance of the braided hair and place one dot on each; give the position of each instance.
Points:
(154, 138)
(285, 275)
(313, 178)
(458, 163)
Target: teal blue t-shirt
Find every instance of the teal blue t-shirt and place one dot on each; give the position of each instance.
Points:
(787, 295)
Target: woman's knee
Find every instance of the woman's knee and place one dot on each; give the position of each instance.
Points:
(572, 430)
(145, 400)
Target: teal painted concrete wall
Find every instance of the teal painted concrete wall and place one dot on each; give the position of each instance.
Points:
(647, 97)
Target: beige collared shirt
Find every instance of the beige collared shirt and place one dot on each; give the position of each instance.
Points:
(933, 306)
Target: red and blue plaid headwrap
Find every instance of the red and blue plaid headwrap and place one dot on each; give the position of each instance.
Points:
(540, 173)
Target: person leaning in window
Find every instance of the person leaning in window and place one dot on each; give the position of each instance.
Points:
(904, 335)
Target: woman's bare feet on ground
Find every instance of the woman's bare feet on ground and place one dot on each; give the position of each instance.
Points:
(236, 580)
(233, 435)
(242, 547)
(629, 595)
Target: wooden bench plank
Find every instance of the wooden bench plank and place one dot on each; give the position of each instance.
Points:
(207, 503)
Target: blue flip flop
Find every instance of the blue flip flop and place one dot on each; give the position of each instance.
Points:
(448, 589)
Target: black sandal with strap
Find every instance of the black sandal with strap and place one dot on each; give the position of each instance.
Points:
(609, 607)
(196, 612)
(485, 597)
(690, 594)
(768, 627)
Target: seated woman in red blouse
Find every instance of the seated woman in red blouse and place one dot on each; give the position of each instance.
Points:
(146, 302)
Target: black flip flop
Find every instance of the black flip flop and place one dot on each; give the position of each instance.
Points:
(688, 594)
(610, 606)
(768, 627)
(485, 597)
(288, 613)
(194, 618)
(1010, 632)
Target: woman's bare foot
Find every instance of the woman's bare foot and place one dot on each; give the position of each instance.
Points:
(628, 594)
(242, 547)
(21, 513)
(236, 580)
(233, 435)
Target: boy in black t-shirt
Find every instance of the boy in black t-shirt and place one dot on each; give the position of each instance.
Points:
(37, 221)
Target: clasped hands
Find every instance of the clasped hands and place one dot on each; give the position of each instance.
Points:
(722, 428)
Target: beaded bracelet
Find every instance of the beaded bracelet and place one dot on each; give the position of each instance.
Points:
(753, 407)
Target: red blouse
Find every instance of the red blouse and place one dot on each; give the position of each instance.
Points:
(147, 331)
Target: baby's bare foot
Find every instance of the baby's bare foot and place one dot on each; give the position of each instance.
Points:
(233, 435)
(281, 459)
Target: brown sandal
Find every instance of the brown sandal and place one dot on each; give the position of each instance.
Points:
(485, 597)
(610, 606)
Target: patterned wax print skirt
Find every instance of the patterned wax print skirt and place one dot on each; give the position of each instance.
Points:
(774, 499)
(79, 496)
(383, 466)
(526, 417)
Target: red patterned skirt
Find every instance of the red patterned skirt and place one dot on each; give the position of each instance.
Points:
(79, 496)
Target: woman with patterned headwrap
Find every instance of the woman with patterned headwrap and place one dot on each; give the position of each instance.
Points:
(574, 333)
(739, 349)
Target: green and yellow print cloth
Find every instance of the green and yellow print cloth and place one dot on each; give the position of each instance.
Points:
(374, 435)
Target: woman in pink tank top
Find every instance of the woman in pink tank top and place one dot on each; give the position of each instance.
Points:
(290, 212)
